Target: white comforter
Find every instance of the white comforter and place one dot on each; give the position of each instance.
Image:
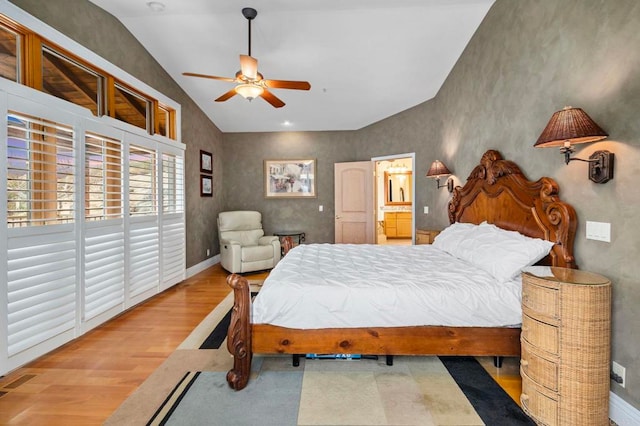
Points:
(355, 285)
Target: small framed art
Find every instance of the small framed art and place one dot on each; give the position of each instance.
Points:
(206, 186)
(206, 162)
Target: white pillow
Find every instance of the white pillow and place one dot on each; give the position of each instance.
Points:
(499, 252)
(449, 238)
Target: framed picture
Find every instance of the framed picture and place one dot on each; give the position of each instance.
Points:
(290, 178)
(206, 162)
(206, 186)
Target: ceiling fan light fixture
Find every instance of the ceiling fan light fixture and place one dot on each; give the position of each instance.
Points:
(249, 91)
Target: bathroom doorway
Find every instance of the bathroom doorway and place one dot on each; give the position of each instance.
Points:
(395, 199)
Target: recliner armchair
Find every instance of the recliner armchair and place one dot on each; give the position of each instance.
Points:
(243, 245)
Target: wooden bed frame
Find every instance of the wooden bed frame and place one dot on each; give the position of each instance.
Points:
(497, 192)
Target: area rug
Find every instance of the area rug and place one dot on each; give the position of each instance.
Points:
(414, 391)
(190, 389)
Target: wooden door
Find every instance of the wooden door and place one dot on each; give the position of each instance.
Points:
(354, 202)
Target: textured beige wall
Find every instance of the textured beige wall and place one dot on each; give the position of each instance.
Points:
(100, 32)
(244, 155)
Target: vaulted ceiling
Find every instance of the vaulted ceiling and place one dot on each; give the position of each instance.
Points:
(365, 59)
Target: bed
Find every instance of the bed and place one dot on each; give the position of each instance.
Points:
(497, 194)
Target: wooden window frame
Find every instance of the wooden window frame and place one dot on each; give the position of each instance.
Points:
(30, 63)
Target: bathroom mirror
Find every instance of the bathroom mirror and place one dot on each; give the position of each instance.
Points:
(397, 189)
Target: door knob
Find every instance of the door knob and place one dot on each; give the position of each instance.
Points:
(338, 217)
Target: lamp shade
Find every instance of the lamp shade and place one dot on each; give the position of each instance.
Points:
(438, 169)
(569, 125)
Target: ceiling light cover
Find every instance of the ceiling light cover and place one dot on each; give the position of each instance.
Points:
(249, 91)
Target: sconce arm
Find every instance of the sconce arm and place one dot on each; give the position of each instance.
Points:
(590, 160)
(448, 185)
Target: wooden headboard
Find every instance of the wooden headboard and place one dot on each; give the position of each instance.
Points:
(498, 192)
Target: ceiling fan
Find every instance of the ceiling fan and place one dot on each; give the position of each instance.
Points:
(250, 83)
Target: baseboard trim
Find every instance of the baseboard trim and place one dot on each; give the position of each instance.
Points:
(195, 269)
(621, 412)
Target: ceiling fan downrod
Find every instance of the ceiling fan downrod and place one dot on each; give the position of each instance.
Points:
(249, 13)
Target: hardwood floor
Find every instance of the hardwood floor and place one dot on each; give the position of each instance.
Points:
(84, 381)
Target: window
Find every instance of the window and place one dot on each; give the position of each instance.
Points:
(131, 107)
(142, 181)
(9, 52)
(103, 178)
(61, 164)
(67, 79)
(172, 184)
(40, 172)
(163, 118)
(30, 59)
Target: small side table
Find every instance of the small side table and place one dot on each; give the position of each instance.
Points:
(566, 334)
(425, 236)
(297, 237)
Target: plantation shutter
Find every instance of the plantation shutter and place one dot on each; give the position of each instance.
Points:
(173, 225)
(41, 239)
(93, 221)
(104, 241)
(144, 240)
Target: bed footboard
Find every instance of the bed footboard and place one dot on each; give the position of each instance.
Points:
(239, 334)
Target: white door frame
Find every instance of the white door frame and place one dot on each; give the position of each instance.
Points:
(411, 155)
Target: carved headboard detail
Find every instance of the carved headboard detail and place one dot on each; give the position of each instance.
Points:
(498, 192)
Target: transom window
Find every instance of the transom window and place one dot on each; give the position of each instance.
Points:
(131, 107)
(53, 70)
(71, 81)
(9, 48)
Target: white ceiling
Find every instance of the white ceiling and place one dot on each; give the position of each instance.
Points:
(365, 59)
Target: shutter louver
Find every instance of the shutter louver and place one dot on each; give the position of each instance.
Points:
(40, 172)
(173, 251)
(104, 270)
(41, 288)
(144, 257)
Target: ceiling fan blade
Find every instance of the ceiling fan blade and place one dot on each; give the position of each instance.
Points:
(284, 84)
(249, 66)
(213, 77)
(227, 95)
(272, 99)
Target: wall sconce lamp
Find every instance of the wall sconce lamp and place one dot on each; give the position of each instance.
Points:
(438, 170)
(572, 126)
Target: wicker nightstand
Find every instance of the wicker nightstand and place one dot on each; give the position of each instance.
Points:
(425, 236)
(566, 333)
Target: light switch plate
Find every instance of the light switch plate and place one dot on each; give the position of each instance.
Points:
(599, 231)
(426, 209)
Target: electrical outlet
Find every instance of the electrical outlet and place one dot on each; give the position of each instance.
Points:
(426, 209)
(618, 373)
(208, 252)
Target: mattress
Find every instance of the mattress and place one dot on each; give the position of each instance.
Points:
(359, 285)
